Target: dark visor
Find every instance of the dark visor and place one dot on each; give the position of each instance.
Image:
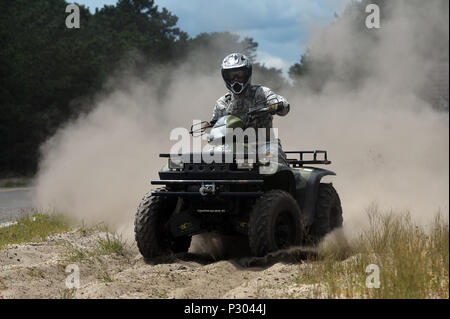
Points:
(240, 75)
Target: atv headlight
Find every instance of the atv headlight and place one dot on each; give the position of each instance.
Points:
(175, 163)
(245, 165)
(269, 169)
(265, 160)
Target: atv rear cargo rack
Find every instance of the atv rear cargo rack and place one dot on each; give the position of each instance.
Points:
(300, 162)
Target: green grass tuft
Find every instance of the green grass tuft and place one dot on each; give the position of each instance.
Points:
(111, 244)
(74, 254)
(33, 228)
(67, 293)
(105, 276)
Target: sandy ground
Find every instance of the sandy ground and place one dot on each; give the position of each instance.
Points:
(38, 270)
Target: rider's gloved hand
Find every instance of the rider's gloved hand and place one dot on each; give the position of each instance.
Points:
(205, 125)
(275, 107)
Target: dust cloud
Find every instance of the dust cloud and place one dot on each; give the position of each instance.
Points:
(373, 112)
(386, 142)
(98, 168)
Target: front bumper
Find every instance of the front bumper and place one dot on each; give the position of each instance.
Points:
(211, 187)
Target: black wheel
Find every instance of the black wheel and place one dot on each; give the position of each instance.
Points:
(152, 236)
(328, 213)
(274, 223)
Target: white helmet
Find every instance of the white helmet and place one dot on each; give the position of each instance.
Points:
(236, 72)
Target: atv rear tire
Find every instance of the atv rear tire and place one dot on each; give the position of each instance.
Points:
(152, 236)
(328, 213)
(274, 223)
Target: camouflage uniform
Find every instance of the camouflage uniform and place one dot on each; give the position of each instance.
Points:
(254, 96)
(239, 106)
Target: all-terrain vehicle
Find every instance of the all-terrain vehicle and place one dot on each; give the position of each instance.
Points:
(276, 204)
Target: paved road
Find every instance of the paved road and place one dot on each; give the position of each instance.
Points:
(13, 202)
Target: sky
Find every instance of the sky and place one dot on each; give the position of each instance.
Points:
(280, 27)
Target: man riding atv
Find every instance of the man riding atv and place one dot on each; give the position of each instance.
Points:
(236, 71)
(273, 201)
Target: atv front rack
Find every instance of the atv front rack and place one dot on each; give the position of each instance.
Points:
(300, 162)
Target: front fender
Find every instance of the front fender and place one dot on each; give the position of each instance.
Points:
(283, 179)
(308, 196)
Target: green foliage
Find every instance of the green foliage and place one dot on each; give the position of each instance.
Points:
(298, 70)
(270, 77)
(50, 73)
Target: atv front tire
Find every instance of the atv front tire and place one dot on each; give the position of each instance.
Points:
(328, 213)
(274, 223)
(152, 236)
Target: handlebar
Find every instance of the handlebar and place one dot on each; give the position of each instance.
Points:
(203, 126)
(252, 111)
(265, 109)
